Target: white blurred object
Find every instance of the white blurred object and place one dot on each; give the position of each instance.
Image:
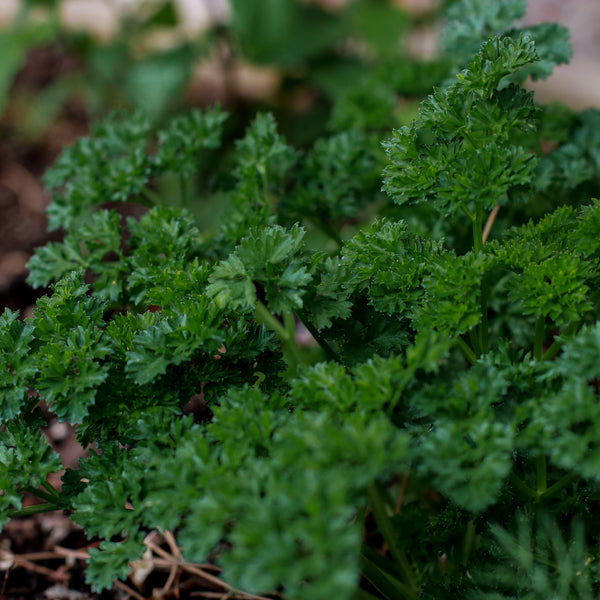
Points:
(578, 83)
(94, 16)
(103, 18)
(8, 11)
(242, 79)
(198, 15)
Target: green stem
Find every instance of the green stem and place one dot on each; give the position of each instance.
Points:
(467, 212)
(522, 487)
(538, 344)
(284, 333)
(262, 169)
(264, 316)
(478, 248)
(153, 198)
(386, 527)
(375, 569)
(557, 344)
(33, 510)
(471, 357)
(51, 489)
(552, 351)
(52, 497)
(478, 228)
(333, 355)
(558, 486)
(542, 475)
(474, 338)
(290, 325)
(469, 138)
(483, 326)
(468, 543)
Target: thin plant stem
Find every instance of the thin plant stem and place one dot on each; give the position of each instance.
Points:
(522, 487)
(289, 324)
(51, 489)
(264, 316)
(318, 338)
(361, 594)
(375, 569)
(478, 247)
(470, 355)
(538, 344)
(542, 475)
(477, 229)
(286, 337)
(466, 349)
(468, 543)
(558, 486)
(483, 326)
(474, 338)
(48, 497)
(33, 510)
(384, 523)
(557, 344)
(467, 212)
(489, 223)
(552, 351)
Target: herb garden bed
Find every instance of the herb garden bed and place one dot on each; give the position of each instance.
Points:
(438, 439)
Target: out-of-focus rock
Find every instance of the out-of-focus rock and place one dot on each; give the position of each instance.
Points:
(94, 16)
(216, 81)
(13, 265)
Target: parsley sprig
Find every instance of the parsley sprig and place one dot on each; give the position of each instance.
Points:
(441, 423)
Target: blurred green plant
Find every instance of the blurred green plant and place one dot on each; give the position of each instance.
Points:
(131, 70)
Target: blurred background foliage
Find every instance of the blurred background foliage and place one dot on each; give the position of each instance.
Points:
(312, 64)
(323, 68)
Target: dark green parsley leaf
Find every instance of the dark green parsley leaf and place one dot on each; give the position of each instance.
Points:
(96, 246)
(456, 155)
(389, 262)
(452, 293)
(71, 372)
(164, 239)
(336, 179)
(72, 346)
(26, 458)
(271, 257)
(116, 162)
(18, 368)
(466, 450)
(263, 160)
(172, 340)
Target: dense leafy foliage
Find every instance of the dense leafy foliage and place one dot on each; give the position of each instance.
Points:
(437, 439)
